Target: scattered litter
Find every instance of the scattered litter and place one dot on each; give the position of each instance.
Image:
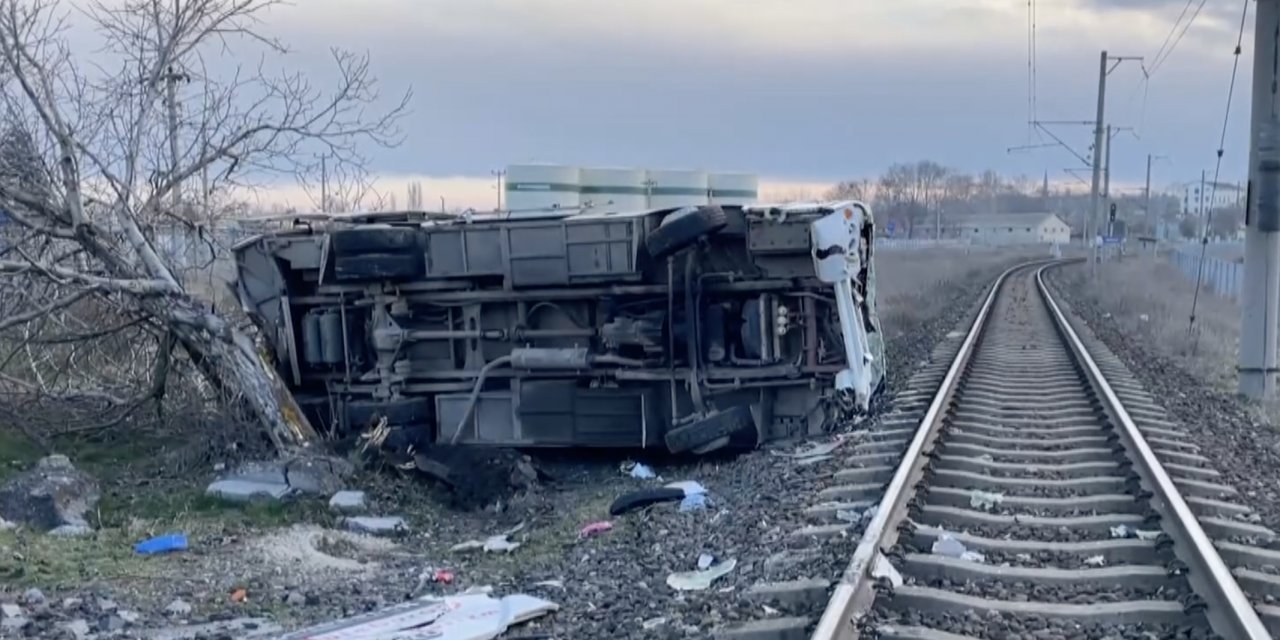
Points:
(947, 545)
(1145, 318)
(985, 500)
(704, 561)
(9, 610)
(770, 611)
(1121, 531)
(700, 580)
(178, 608)
(554, 584)
(499, 542)
(1106, 315)
(653, 623)
(1095, 561)
(162, 544)
(1022, 557)
(442, 576)
(595, 529)
(955, 334)
(853, 516)
(885, 569)
(695, 502)
(640, 470)
(986, 457)
(1147, 535)
(471, 616)
(239, 594)
(71, 530)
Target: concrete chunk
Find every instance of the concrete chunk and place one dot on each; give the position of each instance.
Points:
(377, 525)
(247, 490)
(348, 502)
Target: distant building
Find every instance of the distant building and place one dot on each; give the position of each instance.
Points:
(1216, 196)
(1015, 228)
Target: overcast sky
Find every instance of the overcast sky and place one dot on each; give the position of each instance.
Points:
(799, 91)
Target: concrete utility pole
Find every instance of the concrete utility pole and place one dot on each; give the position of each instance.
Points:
(324, 184)
(1091, 225)
(171, 80)
(1261, 290)
(1094, 200)
(1146, 195)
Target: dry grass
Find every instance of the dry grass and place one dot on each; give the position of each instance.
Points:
(913, 286)
(1150, 301)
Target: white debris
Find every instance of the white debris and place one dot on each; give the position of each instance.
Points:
(376, 525)
(653, 623)
(471, 616)
(10, 610)
(700, 580)
(5, 525)
(1147, 535)
(642, 471)
(1120, 531)
(704, 561)
(554, 584)
(1095, 561)
(1145, 318)
(985, 500)
(178, 608)
(885, 569)
(1022, 557)
(500, 542)
(947, 545)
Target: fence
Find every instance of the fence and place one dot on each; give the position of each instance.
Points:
(1224, 277)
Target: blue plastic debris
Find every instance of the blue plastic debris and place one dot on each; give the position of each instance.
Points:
(162, 544)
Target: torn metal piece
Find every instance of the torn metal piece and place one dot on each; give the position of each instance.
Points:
(700, 580)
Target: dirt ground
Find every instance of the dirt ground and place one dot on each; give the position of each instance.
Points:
(290, 564)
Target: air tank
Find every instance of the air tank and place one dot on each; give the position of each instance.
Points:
(733, 188)
(331, 336)
(614, 190)
(677, 188)
(312, 344)
(536, 188)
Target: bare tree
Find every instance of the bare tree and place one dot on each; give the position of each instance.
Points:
(852, 190)
(118, 156)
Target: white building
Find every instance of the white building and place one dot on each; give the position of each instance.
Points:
(1216, 195)
(1015, 228)
(531, 188)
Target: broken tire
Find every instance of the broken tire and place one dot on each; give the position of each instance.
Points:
(379, 266)
(710, 429)
(683, 228)
(643, 498)
(354, 242)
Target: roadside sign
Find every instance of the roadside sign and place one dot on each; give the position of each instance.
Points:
(888, 228)
(1112, 240)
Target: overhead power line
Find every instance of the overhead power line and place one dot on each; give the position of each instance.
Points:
(1217, 171)
(1155, 64)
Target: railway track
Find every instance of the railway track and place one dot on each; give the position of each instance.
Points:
(1045, 495)
(1026, 486)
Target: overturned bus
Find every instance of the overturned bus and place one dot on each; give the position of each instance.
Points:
(689, 329)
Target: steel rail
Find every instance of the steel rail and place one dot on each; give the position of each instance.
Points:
(854, 594)
(1228, 609)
